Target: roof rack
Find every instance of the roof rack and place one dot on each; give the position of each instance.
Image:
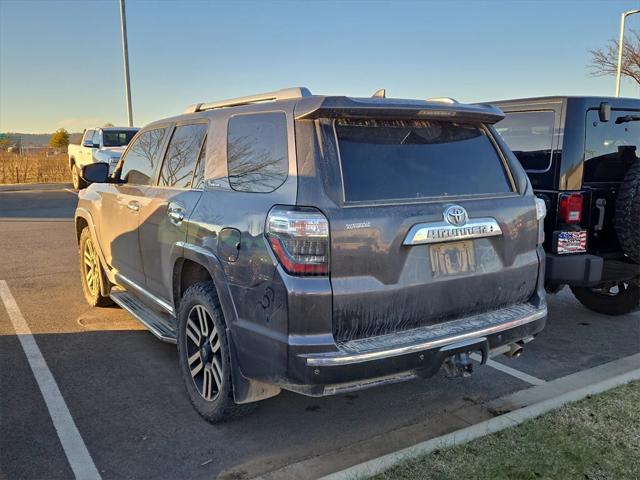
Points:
(284, 94)
(448, 100)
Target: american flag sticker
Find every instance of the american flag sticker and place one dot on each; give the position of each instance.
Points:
(571, 242)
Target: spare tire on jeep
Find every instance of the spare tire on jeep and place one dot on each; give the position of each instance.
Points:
(627, 220)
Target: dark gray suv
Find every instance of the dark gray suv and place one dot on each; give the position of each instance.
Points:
(318, 244)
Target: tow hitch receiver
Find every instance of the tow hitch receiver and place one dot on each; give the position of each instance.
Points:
(459, 364)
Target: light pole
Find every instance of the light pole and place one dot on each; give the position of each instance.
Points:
(125, 56)
(623, 17)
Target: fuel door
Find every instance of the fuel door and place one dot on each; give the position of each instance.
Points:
(229, 244)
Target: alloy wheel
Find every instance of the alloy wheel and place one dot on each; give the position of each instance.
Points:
(204, 354)
(91, 267)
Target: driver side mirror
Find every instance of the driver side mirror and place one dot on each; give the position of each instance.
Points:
(89, 144)
(96, 172)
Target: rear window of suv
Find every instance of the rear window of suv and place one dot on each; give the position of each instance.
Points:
(408, 159)
(611, 147)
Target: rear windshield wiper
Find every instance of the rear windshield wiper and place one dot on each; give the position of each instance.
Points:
(628, 118)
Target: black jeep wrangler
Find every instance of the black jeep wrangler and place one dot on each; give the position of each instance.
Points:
(581, 154)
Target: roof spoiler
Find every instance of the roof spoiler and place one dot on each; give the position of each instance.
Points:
(377, 108)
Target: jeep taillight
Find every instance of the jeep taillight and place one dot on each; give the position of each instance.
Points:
(570, 208)
(299, 238)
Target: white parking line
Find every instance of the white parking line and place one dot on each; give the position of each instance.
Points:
(525, 377)
(71, 191)
(74, 447)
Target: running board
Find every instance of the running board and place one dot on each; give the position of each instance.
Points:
(160, 324)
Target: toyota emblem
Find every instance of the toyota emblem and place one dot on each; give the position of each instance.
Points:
(456, 215)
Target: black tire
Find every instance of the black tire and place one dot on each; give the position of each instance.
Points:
(76, 179)
(625, 299)
(209, 353)
(627, 219)
(91, 274)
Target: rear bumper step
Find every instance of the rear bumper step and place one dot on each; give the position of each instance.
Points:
(432, 337)
(578, 269)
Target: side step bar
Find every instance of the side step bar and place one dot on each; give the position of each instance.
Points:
(160, 324)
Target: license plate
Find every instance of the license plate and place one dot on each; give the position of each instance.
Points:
(452, 258)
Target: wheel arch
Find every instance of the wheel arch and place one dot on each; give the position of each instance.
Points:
(81, 224)
(199, 264)
(83, 219)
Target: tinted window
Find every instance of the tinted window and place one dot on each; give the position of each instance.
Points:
(401, 159)
(182, 153)
(257, 152)
(198, 179)
(530, 136)
(142, 157)
(117, 138)
(611, 147)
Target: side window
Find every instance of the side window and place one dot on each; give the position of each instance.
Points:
(257, 156)
(97, 137)
(198, 178)
(530, 136)
(182, 154)
(142, 156)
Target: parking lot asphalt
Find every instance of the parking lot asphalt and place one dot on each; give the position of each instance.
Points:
(123, 389)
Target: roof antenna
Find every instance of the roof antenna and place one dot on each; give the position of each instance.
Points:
(382, 93)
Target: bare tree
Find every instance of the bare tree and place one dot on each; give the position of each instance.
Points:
(605, 61)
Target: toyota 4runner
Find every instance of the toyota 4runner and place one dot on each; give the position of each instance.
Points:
(318, 244)
(581, 154)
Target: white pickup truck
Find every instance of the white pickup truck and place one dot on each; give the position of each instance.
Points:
(98, 145)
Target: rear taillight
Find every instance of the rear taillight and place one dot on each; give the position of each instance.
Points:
(570, 208)
(541, 212)
(299, 238)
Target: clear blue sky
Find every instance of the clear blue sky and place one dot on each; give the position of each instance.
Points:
(61, 64)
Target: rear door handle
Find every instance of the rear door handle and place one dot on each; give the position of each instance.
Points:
(133, 206)
(175, 213)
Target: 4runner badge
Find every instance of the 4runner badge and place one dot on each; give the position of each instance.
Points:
(456, 226)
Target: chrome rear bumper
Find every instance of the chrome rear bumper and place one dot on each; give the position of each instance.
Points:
(445, 334)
